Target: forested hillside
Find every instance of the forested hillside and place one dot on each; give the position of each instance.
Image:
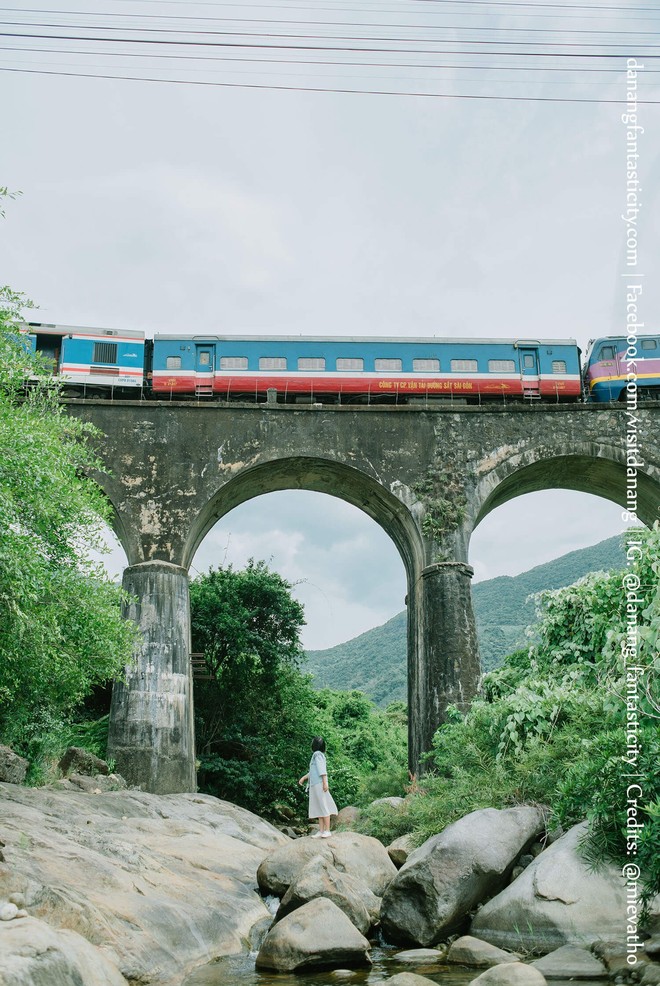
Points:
(375, 662)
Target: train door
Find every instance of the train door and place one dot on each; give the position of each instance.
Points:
(529, 371)
(204, 369)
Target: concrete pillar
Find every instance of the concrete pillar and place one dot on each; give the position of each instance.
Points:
(444, 663)
(151, 718)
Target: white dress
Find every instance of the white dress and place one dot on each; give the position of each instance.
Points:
(321, 803)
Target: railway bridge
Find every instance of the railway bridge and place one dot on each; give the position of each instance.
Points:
(427, 476)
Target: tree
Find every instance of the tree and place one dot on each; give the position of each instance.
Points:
(257, 715)
(61, 629)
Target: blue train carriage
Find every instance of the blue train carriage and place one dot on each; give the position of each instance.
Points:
(610, 360)
(92, 361)
(356, 369)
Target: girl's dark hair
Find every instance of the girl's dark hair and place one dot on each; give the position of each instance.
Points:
(318, 743)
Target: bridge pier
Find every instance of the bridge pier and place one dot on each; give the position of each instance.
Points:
(151, 735)
(444, 664)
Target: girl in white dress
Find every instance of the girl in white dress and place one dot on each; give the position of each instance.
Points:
(321, 802)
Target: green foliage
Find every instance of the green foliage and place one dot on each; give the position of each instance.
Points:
(375, 662)
(256, 718)
(444, 500)
(61, 630)
(549, 726)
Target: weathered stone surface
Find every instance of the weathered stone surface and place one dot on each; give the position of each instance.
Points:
(319, 878)
(570, 962)
(400, 849)
(393, 802)
(452, 872)
(472, 951)
(97, 784)
(421, 956)
(359, 855)
(346, 818)
(32, 953)
(12, 767)
(652, 947)
(557, 900)
(409, 979)
(158, 884)
(76, 760)
(316, 935)
(510, 974)
(651, 975)
(615, 957)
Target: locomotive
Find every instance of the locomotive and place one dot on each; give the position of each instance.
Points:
(340, 370)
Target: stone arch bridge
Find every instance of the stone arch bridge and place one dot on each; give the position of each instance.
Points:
(427, 476)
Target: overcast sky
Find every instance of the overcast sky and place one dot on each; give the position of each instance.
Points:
(195, 209)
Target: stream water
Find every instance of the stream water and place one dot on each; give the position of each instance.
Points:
(240, 971)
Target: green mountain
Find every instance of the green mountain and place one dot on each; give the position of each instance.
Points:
(375, 662)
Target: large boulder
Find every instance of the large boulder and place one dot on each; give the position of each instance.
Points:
(32, 953)
(454, 871)
(158, 884)
(400, 849)
(557, 900)
(319, 878)
(359, 855)
(12, 767)
(316, 935)
(409, 979)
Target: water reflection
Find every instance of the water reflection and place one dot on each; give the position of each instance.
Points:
(240, 971)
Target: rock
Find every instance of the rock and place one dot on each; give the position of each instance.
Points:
(359, 855)
(8, 912)
(346, 818)
(651, 975)
(510, 974)
(474, 952)
(557, 900)
(452, 872)
(400, 849)
(388, 802)
(34, 954)
(319, 878)
(97, 784)
(316, 935)
(18, 899)
(421, 956)
(409, 979)
(12, 767)
(79, 761)
(615, 957)
(570, 962)
(158, 883)
(652, 947)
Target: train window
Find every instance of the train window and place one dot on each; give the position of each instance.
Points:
(464, 366)
(311, 363)
(607, 352)
(501, 366)
(388, 365)
(529, 361)
(272, 362)
(649, 344)
(559, 366)
(426, 365)
(105, 352)
(204, 359)
(233, 363)
(350, 363)
(173, 363)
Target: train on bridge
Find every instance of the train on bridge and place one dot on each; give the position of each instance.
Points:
(348, 370)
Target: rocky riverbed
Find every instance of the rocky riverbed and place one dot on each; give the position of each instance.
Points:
(120, 887)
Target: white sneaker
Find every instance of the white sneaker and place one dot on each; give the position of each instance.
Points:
(317, 835)
(326, 835)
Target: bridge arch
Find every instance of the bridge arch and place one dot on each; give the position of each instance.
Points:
(318, 475)
(601, 472)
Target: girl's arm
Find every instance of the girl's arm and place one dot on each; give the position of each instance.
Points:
(303, 779)
(324, 782)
